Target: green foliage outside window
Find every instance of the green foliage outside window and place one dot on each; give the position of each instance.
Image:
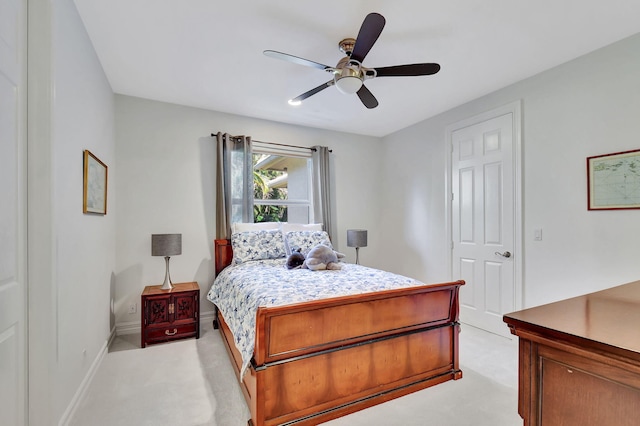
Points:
(261, 191)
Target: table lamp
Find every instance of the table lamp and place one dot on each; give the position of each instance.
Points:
(357, 238)
(166, 245)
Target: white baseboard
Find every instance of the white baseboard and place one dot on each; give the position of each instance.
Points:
(84, 385)
(120, 329)
(130, 327)
(133, 327)
(206, 318)
(206, 321)
(112, 336)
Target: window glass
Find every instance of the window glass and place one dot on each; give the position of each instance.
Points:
(282, 188)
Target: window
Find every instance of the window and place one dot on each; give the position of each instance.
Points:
(282, 184)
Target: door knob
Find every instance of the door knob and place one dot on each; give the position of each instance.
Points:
(505, 254)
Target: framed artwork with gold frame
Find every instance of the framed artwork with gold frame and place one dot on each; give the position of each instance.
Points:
(94, 198)
(613, 181)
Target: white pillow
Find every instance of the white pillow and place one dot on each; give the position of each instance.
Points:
(288, 227)
(248, 227)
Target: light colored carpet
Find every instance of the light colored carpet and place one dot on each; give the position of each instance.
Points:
(191, 383)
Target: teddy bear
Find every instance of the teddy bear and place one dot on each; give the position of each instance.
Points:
(322, 257)
(295, 259)
(319, 258)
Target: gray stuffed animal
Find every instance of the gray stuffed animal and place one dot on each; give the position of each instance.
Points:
(322, 257)
(295, 260)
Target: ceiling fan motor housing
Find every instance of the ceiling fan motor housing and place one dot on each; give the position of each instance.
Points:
(348, 76)
(346, 45)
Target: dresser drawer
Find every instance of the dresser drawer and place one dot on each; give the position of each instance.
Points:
(170, 332)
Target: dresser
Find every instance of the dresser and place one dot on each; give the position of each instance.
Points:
(170, 314)
(579, 359)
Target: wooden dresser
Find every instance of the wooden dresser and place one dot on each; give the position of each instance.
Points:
(170, 314)
(579, 359)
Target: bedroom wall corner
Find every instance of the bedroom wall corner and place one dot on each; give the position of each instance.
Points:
(84, 244)
(588, 106)
(166, 183)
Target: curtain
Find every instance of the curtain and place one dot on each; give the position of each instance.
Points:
(321, 188)
(234, 182)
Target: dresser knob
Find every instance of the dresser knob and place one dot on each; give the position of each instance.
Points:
(168, 333)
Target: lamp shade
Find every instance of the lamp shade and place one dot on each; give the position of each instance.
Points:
(166, 244)
(356, 237)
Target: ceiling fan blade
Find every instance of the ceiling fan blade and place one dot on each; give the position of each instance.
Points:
(369, 32)
(313, 91)
(407, 70)
(367, 97)
(295, 59)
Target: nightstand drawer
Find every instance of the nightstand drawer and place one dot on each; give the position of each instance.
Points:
(170, 332)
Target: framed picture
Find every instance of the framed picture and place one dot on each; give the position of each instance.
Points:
(614, 181)
(95, 185)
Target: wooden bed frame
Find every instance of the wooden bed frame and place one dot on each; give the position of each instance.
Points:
(319, 360)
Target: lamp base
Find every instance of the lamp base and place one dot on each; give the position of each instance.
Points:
(357, 253)
(167, 284)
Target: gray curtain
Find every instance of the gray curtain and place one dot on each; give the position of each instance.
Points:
(234, 182)
(321, 188)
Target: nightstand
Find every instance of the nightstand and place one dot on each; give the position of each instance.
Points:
(170, 314)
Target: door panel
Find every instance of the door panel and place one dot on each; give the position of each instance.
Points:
(493, 294)
(493, 204)
(12, 215)
(483, 220)
(466, 212)
(467, 271)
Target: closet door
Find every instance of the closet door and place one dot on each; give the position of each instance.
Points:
(483, 220)
(13, 330)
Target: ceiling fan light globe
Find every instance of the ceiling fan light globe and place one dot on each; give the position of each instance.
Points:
(348, 84)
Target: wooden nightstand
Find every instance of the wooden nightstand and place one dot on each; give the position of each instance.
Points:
(170, 314)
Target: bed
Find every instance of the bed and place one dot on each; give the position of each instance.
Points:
(316, 360)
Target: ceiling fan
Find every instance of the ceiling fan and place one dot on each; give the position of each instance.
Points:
(349, 74)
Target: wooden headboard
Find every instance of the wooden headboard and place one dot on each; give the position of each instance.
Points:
(223, 254)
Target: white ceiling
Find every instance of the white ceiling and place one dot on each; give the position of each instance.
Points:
(208, 53)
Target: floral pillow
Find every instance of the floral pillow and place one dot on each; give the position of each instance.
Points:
(257, 245)
(305, 241)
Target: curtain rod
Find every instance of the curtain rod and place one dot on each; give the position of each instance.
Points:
(275, 143)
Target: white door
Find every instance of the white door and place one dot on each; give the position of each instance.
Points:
(483, 221)
(12, 214)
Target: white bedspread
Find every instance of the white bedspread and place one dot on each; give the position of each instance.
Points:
(239, 290)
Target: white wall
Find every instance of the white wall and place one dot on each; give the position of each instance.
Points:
(70, 302)
(166, 183)
(587, 107)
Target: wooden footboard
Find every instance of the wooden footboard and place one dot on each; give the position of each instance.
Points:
(320, 360)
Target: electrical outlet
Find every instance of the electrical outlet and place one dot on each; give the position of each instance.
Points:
(133, 308)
